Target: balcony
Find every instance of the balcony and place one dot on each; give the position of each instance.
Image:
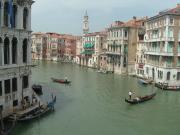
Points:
(113, 53)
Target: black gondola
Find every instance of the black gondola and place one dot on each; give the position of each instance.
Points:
(140, 99)
(37, 88)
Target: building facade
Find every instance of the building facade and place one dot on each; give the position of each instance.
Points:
(140, 53)
(122, 46)
(163, 47)
(15, 55)
(39, 46)
(92, 47)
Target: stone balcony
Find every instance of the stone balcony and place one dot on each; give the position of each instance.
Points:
(12, 32)
(113, 53)
(162, 53)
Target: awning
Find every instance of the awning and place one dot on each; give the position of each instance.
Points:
(88, 45)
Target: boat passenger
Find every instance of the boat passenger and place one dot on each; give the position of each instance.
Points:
(130, 94)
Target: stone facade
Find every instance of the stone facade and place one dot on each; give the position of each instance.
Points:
(122, 46)
(38, 48)
(163, 47)
(92, 47)
(53, 46)
(15, 55)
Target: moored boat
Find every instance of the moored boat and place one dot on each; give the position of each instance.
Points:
(165, 86)
(35, 112)
(140, 99)
(37, 88)
(141, 81)
(61, 81)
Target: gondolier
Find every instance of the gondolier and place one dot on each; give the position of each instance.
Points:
(66, 79)
(130, 94)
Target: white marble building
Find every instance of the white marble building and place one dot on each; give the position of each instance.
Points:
(163, 47)
(15, 55)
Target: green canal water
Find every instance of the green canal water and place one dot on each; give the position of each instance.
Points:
(94, 105)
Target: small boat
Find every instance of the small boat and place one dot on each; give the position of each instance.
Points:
(37, 88)
(37, 112)
(61, 81)
(140, 99)
(142, 81)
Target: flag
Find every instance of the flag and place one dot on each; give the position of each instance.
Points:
(10, 13)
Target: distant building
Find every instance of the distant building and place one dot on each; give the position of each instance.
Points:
(39, 46)
(53, 46)
(122, 45)
(79, 48)
(92, 46)
(15, 55)
(163, 47)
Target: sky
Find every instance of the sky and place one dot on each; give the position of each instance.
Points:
(66, 16)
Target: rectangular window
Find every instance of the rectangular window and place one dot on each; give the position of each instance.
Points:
(7, 86)
(0, 88)
(25, 82)
(171, 21)
(14, 84)
(15, 103)
(178, 75)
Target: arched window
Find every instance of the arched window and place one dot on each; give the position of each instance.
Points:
(25, 18)
(14, 50)
(14, 16)
(6, 14)
(1, 48)
(168, 75)
(6, 51)
(24, 47)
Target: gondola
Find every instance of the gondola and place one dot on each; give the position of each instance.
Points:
(37, 88)
(140, 99)
(61, 81)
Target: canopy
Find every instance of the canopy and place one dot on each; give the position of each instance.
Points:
(88, 45)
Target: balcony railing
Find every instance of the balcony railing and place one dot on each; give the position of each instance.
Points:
(158, 52)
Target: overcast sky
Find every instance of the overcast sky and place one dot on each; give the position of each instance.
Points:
(65, 16)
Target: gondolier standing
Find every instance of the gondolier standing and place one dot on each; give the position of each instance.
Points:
(130, 94)
(66, 79)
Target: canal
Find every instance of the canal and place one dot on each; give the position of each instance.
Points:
(94, 105)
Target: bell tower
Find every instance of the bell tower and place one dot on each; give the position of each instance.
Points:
(85, 24)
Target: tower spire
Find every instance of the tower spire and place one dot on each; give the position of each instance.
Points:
(86, 23)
